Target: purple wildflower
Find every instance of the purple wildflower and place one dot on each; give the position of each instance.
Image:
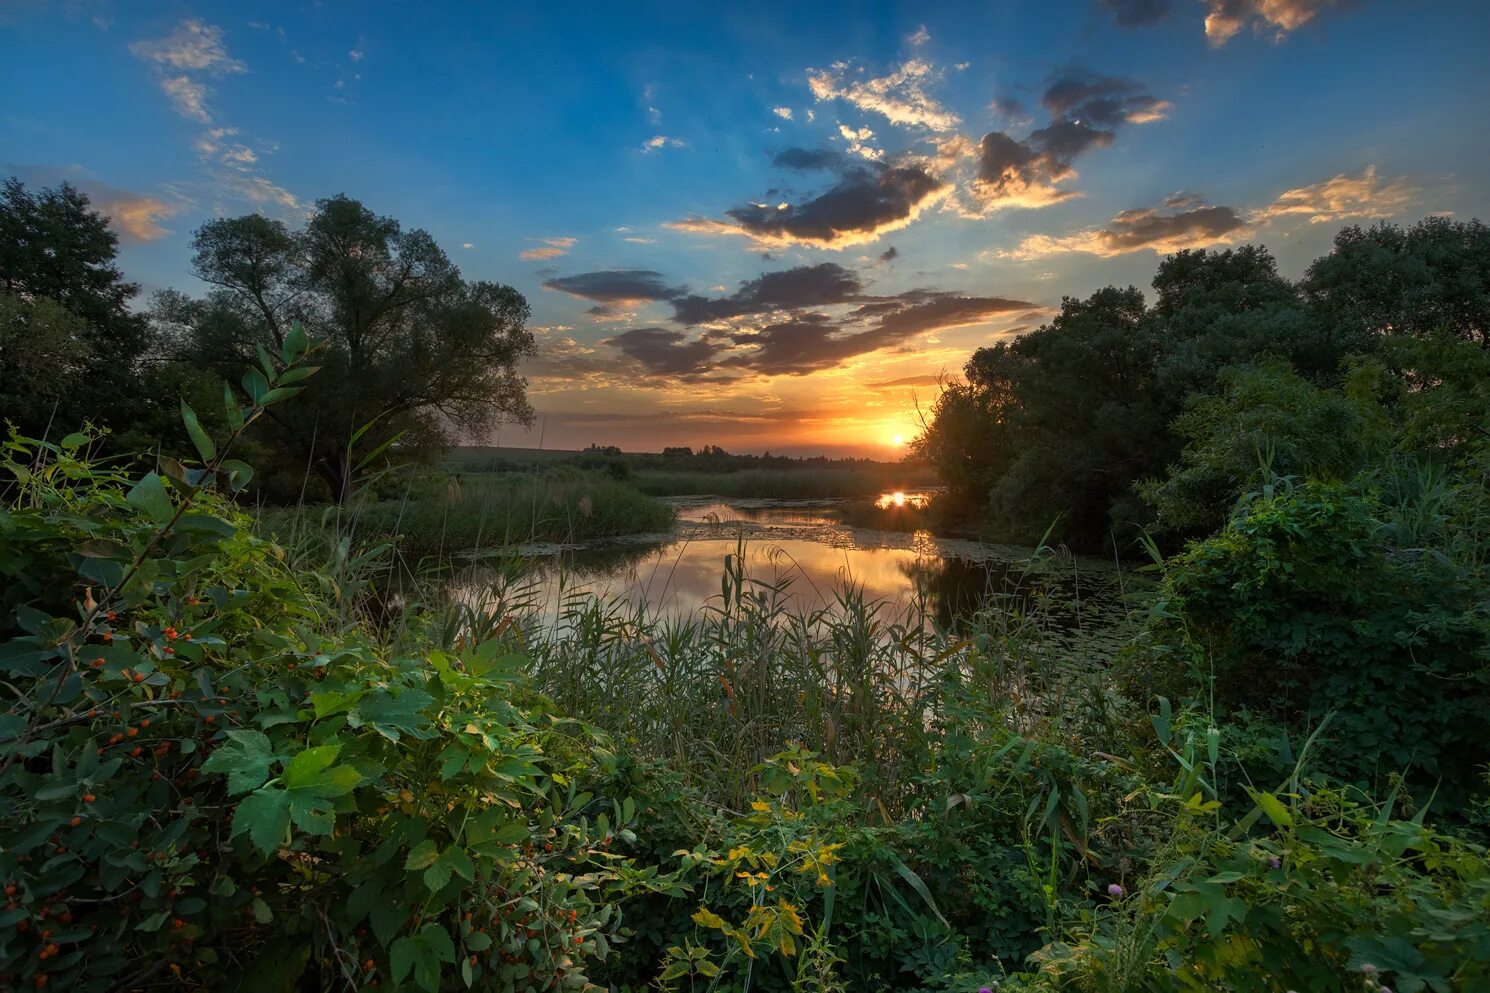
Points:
(1276, 862)
(1114, 890)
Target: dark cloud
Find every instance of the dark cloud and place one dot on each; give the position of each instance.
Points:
(806, 159)
(814, 341)
(890, 254)
(665, 352)
(1148, 228)
(804, 286)
(1104, 101)
(866, 202)
(1136, 13)
(1085, 110)
(615, 285)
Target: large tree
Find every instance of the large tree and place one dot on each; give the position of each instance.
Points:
(57, 252)
(409, 347)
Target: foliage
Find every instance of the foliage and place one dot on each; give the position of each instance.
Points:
(466, 517)
(201, 782)
(1301, 605)
(412, 351)
(58, 252)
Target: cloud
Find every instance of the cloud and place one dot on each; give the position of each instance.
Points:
(255, 189)
(1105, 101)
(785, 113)
(615, 286)
(137, 217)
(195, 46)
(467, 244)
(813, 341)
(1224, 19)
(1144, 228)
(1086, 110)
(804, 286)
(188, 97)
(866, 202)
(900, 96)
(665, 352)
(1343, 196)
(552, 249)
(356, 55)
(1136, 13)
(889, 255)
(657, 141)
(918, 37)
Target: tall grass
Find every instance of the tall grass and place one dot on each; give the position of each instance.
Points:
(460, 518)
(717, 693)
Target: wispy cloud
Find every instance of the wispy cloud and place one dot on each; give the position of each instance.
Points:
(899, 96)
(551, 248)
(194, 46)
(1344, 196)
(659, 141)
(1144, 228)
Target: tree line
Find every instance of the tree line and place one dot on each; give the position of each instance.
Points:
(1121, 415)
(412, 353)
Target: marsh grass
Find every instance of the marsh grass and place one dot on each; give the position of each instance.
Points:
(466, 517)
(717, 693)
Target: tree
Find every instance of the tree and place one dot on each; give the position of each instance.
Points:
(43, 358)
(412, 351)
(54, 246)
(1432, 278)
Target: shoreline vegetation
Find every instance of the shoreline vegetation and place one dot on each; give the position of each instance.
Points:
(286, 754)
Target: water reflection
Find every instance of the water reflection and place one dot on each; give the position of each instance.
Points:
(917, 499)
(802, 550)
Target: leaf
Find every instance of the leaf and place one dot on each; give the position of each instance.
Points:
(423, 856)
(265, 815)
(230, 405)
(307, 765)
(246, 758)
(1273, 807)
(149, 496)
(296, 343)
(255, 385)
(199, 437)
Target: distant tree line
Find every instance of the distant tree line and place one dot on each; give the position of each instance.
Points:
(412, 354)
(1121, 414)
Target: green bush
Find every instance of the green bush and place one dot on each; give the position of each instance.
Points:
(1302, 606)
(203, 787)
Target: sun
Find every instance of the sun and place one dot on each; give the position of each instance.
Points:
(898, 440)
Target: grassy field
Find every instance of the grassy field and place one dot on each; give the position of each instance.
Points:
(469, 516)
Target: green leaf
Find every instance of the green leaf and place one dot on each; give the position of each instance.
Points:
(424, 855)
(150, 497)
(265, 815)
(255, 385)
(246, 758)
(75, 440)
(306, 765)
(1273, 807)
(296, 343)
(230, 407)
(199, 437)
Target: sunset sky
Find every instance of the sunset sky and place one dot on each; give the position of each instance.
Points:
(763, 226)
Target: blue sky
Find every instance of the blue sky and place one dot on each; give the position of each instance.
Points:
(761, 225)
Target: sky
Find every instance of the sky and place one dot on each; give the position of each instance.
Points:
(765, 226)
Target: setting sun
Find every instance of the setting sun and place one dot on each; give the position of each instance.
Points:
(898, 440)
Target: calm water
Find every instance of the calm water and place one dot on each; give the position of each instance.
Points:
(804, 550)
